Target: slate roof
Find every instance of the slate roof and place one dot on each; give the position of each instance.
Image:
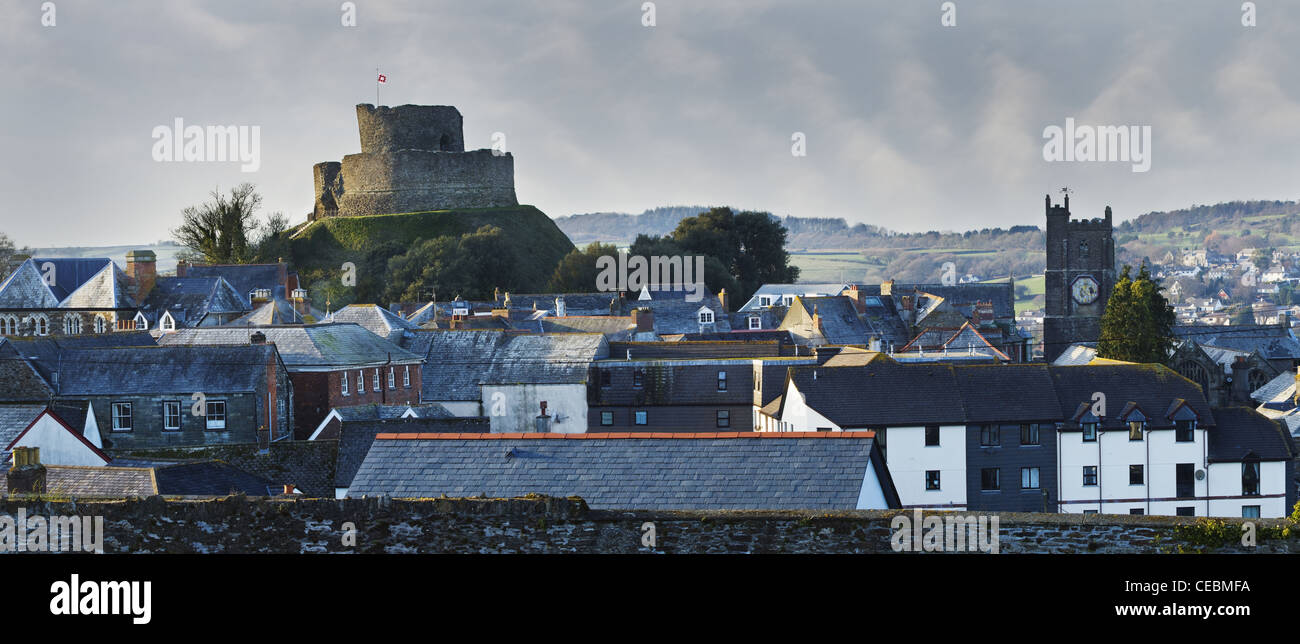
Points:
(1241, 432)
(1280, 389)
(653, 472)
(211, 478)
(840, 323)
(19, 382)
(25, 288)
(71, 273)
(109, 288)
(1272, 341)
(245, 278)
(674, 314)
(356, 438)
(802, 289)
(190, 299)
(81, 482)
(162, 369)
(574, 303)
(274, 311)
(1076, 354)
(613, 327)
(313, 347)
(375, 411)
(460, 360)
(14, 418)
(885, 393)
(375, 319)
(45, 351)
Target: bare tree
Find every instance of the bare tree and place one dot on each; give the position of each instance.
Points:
(218, 231)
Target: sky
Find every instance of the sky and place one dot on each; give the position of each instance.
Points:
(906, 122)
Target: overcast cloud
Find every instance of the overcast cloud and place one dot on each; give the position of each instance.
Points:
(909, 124)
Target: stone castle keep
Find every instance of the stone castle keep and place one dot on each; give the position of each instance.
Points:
(412, 159)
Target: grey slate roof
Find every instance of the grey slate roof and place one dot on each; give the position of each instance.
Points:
(459, 361)
(162, 369)
(839, 318)
(71, 273)
(375, 319)
(245, 278)
(804, 473)
(1241, 432)
(190, 299)
(356, 438)
(109, 288)
(1272, 341)
(313, 347)
(45, 352)
(802, 289)
(274, 311)
(692, 350)
(25, 288)
(19, 382)
(210, 478)
(674, 314)
(14, 418)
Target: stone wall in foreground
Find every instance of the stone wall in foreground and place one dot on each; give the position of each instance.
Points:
(550, 525)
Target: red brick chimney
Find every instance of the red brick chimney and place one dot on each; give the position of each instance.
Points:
(983, 313)
(142, 268)
(854, 293)
(644, 319)
(181, 267)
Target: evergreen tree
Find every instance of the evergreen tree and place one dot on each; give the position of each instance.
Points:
(1138, 323)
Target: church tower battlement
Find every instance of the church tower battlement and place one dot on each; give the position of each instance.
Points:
(1079, 278)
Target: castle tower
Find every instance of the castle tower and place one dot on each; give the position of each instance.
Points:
(1080, 275)
(412, 159)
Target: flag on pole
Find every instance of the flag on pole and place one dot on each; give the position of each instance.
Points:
(383, 79)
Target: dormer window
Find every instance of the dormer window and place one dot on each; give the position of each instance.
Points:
(1184, 431)
(1089, 432)
(787, 299)
(755, 323)
(765, 300)
(168, 323)
(299, 293)
(706, 316)
(141, 324)
(1135, 429)
(261, 294)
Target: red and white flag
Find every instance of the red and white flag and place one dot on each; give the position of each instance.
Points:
(383, 78)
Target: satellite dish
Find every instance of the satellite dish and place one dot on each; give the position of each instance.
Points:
(1200, 475)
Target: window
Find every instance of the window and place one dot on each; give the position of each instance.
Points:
(1136, 475)
(604, 378)
(1250, 511)
(361, 383)
(1136, 511)
(931, 435)
(724, 418)
(99, 325)
(1185, 511)
(1184, 473)
(1089, 474)
(41, 325)
(141, 324)
(122, 417)
(1135, 430)
(606, 418)
(765, 300)
(172, 414)
(706, 317)
(639, 417)
(216, 414)
(1090, 512)
(1029, 478)
(1184, 430)
(345, 383)
(168, 322)
(406, 377)
(1089, 432)
(71, 324)
(989, 436)
(1029, 434)
(722, 381)
(392, 378)
(990, 479)
(755, 322)
(8, 325)
(638, 378)
(932, 479)
(374, 381)
(1250, 478)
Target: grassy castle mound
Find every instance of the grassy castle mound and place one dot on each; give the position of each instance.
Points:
(319, 249)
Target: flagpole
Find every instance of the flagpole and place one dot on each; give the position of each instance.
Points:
(376, 87)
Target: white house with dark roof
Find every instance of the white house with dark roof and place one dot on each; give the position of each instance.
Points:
(66, 434)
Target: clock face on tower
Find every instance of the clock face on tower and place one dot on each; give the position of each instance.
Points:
(1084, 290)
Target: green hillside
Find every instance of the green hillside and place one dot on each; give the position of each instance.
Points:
(318, 250)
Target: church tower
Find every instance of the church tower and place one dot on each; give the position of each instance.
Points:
(1079, 278)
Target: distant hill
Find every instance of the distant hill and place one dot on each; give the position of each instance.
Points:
(319, 249)
(166, 252)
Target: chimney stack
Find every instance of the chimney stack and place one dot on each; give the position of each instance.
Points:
(644, 319)
(27, 476)
(181, 267)
(142, 268)
(257, 338)
(543, 421)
